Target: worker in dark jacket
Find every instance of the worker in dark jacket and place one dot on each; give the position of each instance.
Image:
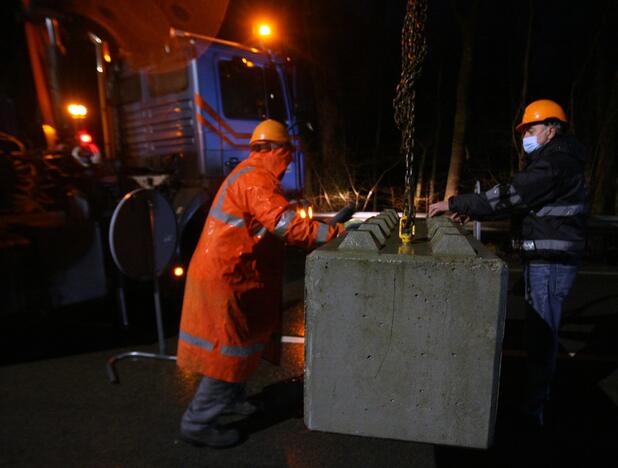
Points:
(548, 198)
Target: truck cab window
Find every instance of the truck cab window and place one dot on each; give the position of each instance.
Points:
(274, 95)
(250, 92)
(161, 84)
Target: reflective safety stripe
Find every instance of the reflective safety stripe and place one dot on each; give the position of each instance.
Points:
(216, 211)
(494, 196)
(227, 218)
(550, 244)
(322, 233)
(194, 340)
(239, 351)
(563, 210)
(259, 231)
(236, 351)
(283, 223)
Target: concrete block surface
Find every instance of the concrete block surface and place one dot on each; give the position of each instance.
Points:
(360, 240)
(404, 345)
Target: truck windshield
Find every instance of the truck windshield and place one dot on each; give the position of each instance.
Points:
(251, 92)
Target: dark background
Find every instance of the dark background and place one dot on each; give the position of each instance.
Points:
(348, 55)
(351, 52)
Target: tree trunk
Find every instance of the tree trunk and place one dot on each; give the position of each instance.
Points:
(437, 136)
(604, 172)
(459, 128)
(523, 97)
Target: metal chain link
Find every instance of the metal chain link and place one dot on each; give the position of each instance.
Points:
(413, 52)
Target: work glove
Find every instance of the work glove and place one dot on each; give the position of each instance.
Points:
(352, 224)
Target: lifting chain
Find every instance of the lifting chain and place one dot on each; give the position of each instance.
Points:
(413, 51)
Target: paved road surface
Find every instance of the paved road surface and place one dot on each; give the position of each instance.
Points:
(57, 408)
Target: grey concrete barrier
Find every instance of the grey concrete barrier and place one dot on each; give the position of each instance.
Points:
(404, 342)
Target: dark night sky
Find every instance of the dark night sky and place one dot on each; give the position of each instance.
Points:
(355, 46)
(569, 42)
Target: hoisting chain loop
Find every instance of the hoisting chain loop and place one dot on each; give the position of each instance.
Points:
(413, 51)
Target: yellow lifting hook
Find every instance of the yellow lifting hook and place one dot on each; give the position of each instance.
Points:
(407, 229)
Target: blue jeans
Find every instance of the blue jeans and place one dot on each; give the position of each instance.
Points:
(547, 286)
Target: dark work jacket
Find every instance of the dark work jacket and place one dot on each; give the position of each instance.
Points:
(548, 196)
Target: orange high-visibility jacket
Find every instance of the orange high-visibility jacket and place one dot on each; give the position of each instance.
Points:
(232, 297)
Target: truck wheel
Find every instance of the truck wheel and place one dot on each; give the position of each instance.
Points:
(191, 214)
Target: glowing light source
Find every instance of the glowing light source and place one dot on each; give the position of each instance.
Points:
(85, 138)
(179, 271)
(51, 135)
(77, 111)
(302, 213)
(106, 55)
(310, 212)
(249, 63)
(264, 30)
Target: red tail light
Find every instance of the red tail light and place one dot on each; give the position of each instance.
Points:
(85, 138)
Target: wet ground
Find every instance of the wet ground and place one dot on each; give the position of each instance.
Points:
(58, 409)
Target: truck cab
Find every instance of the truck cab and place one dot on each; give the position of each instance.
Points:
(186, 127)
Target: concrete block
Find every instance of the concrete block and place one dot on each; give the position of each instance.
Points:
(384, 225)
(393, 214)
(375, 229)
(448, 241)
(404, 346)
(389, 220)
(438, 222)
(360, 240)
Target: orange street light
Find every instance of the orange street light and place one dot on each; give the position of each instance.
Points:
(264, 30)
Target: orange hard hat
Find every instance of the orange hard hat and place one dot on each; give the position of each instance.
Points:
(270, 130)
(541, 110)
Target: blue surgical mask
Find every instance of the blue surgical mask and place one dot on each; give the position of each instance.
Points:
(530, 144)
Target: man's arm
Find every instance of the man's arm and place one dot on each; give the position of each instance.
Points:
(271, 209)
(527, 190)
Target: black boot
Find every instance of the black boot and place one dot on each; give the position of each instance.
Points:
(213, 436)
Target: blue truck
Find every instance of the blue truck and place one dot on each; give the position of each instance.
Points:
(179, 129)
(185, 128)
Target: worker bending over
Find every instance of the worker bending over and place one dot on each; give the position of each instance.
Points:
(232, 300)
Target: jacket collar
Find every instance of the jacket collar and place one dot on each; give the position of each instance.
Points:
(566, 144)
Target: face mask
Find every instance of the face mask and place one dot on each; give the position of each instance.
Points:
(530, 144)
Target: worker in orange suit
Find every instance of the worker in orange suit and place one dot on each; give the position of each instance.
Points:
(232, 300)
